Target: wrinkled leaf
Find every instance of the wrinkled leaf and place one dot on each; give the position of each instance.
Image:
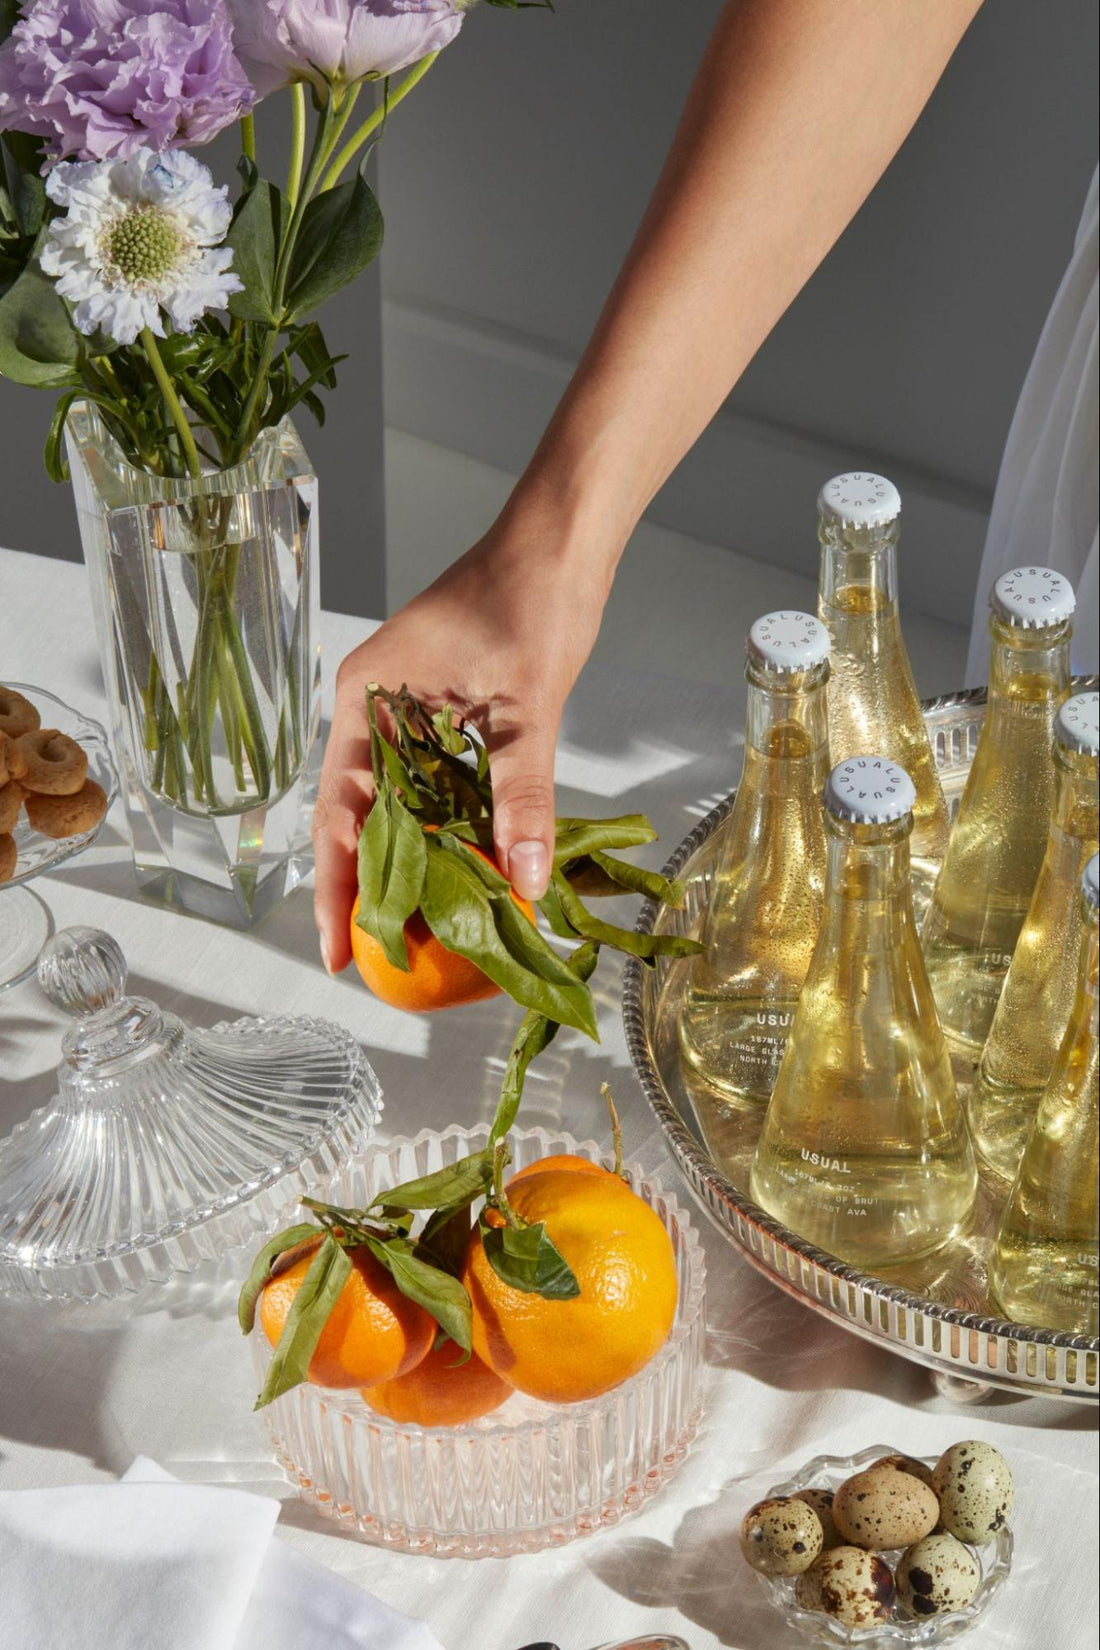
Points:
(317, 1294)
(38, 343)
(528, 1259)
(577, 837)
(436, 1291)
(644, 946)
(393, 860)
(457, 1184)
(340, 234)
(468, 906)
(536, 1033)
(636, 879)
(254, 236)
(291, 1238)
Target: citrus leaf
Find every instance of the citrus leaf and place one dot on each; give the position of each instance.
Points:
(468, 906)
(527, 1259)
(317, 1294)
(536, 1033)
(576, 837)
(262, 1270)
(392, 863)
(455, 1185)
(444, 1238)
(436, 1291)
(645, 946)
(637, 879)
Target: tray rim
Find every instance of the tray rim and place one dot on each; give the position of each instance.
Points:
(714, 1190)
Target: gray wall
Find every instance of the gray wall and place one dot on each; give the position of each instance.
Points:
(513, 189)
(36, 514)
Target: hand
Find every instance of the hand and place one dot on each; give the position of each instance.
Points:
(501, 636)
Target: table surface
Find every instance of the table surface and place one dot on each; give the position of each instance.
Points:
(82, 1393)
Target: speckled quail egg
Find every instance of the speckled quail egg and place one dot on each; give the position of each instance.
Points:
(852, 1585)
(937, 1574)
(781, 1537)
(974, 1484)
(822, 1503)
(883, 1508)
(905, 1463)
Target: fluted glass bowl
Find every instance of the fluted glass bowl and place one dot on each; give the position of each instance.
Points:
(38, 853)
(529, 1475)
(828, 1472)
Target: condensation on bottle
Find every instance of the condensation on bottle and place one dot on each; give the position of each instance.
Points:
(765, 903)
(1045, 1261)
(1039, 988)
(873, 703)
(864, 1149)
(988, 876)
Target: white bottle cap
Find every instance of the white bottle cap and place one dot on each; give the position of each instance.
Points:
(1077, 724)
(860, 499)
(1033, 598)
(869, 790)
(788, 641)
(1090, 881)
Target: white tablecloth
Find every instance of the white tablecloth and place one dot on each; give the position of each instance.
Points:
(81, 1395)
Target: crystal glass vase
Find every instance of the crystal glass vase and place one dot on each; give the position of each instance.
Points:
(205, 595)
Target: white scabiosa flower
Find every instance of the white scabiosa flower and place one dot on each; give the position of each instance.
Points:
(139, 240)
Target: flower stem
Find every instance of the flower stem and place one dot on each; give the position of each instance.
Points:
(297, 142)
(248, 137)
(172, 402)
(374, 120)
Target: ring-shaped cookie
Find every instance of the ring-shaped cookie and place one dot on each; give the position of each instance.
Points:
(17, 714)
(60, 816)
(54, 764)
(9, 854)
(12, 797)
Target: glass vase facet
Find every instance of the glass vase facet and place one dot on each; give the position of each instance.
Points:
(205, 595)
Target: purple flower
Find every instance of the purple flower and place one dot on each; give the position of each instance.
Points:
(104, 78)
(329, 40)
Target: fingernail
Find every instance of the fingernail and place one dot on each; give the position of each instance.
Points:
(529, 869)
(325, 957)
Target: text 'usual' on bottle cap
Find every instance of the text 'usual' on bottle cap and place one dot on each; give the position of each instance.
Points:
(1033, 598)
(860, 499)
(869, 790)
(788, 641)
(1077, 724)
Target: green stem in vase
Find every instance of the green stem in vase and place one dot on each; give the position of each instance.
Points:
(172, 403)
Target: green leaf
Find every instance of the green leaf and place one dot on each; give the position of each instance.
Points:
(468, 906)
(645, 946)
(26, 188)
(528, 1259)
(53, 453)
(620, 874)
(576, 837)
(38, 343)
(393, 860)
(444, 1238)
(340, 233)
(454, 1186)
(255, 236)
(535, 1034)
(437, 1292)
(261, 1270)
(317, 1294)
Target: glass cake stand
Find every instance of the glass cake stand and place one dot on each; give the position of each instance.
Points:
(25, 921)
(167, 1146)
(936, 1311)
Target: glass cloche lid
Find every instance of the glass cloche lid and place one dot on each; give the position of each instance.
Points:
(166, 1146)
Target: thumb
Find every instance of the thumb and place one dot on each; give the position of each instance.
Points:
(522, 766)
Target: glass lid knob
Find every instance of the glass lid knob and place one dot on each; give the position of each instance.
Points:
(82, 970)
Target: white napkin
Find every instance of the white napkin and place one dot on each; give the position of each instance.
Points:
(150, 1561)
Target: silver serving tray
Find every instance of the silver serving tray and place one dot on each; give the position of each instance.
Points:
(936, 1311)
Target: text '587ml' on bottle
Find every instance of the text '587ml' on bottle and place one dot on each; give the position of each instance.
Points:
(864, 1149)
(765, 903)
(1000, 833)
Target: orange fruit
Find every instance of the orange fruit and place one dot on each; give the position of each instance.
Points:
(440, 1391)
(436, 977)
(373, 1333)
(560, 1160)
(622, 1258)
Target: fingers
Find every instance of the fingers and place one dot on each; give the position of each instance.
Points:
(522, 763)
(343, 800)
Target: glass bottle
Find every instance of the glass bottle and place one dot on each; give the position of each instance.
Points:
(762, 919)
(1044, 1265)
(864, 1149)
(1039, 988)
(873, 704)
(1000, 834)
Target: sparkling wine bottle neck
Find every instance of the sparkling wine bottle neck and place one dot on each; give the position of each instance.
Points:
(786, 716)
(868, 894)
(1027, 665)
(859, 566)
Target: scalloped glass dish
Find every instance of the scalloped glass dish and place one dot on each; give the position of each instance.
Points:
(38, 853)
(531, 1474)
(828, 1472)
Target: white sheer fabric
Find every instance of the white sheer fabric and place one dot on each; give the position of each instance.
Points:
(1044, 507)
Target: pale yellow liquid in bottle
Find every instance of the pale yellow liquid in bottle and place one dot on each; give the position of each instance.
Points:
(1044, 1265)
(1039, 990)
(764, 910)
(864, 1149)
(873, 706)
(1000, 833)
